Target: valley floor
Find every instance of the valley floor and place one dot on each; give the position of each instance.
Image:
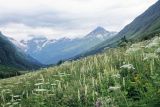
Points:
(122, 77)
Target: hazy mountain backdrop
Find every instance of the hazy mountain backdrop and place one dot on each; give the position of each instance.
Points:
(51, 51)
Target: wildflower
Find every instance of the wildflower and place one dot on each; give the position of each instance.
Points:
(64, 74)
(17, 83)
(86, 90)
(50, 94)
(17, 96)
(157, 51)
(116, 75)
(15, 103)
(132, 50)
(156, 40)
(41, 90)
(58, 81)
(27, 83)
(19, 99)
(9, 103)
(150, 56)
(108, 99)
(79, 98)
(37, 84)
(114, 88)
(154, 43)
(55, 75)
(40, 79)
(142, 46)
(96, 93)
(61, 73)
(151, 45)
(8, 90)
(135, 45)
(53, 84)
(68, 74)
(127, 66)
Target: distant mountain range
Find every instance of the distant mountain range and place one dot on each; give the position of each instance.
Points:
(51, 51)
(143, 27)
(12, 56)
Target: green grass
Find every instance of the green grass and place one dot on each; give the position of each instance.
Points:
(122, 77)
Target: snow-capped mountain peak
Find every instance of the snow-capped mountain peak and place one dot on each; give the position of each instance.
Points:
(100, 33)
(97, 31)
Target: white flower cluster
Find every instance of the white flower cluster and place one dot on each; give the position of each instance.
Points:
(116, 76)
(127, 66)
(135, 47)
(132, 50)
(157, 51)
(149, 56)
(41, 90)
(114, 88)
(154, 43)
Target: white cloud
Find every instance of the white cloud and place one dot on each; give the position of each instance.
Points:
(21, 31)
(59, 18)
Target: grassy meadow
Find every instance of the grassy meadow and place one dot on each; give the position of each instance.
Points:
(122, 77)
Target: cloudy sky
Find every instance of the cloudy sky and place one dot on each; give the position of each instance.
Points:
(21, 19)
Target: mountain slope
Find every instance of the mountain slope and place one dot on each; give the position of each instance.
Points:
(12, 56)
(143, 27)
(52, 51)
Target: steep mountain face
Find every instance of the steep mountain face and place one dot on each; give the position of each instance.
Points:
(12, 56)
(143, 27)
(52, 51)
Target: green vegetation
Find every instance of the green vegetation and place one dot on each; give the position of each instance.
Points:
(6, 72)
(123, 77)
